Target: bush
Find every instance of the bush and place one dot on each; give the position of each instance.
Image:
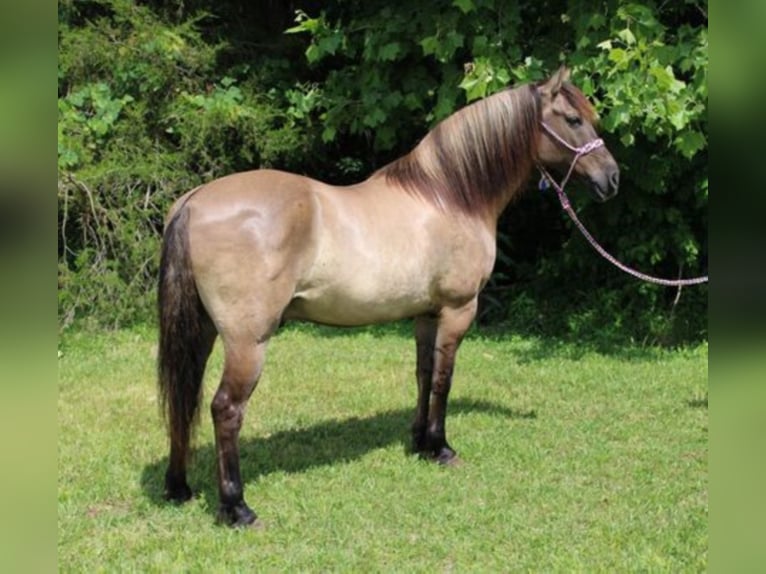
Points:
(144, 115)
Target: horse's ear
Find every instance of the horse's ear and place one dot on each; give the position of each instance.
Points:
(553, 85)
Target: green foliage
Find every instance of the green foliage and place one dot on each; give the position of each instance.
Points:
(650, 87)
(86, 118)
(153, 101)
(144, 114)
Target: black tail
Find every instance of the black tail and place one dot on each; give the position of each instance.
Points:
(185, 339)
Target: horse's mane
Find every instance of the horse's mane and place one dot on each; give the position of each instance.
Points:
(480, 153)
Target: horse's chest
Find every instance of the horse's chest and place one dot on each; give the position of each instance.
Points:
(466, 271)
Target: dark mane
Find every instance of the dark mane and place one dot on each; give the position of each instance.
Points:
(480, 153)
(475, 156)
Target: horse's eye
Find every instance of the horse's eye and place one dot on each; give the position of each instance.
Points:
(573, 121)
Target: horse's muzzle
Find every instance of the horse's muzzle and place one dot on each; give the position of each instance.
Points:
(606, 188)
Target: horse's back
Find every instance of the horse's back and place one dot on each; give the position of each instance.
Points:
(263, 209)
(263, 189)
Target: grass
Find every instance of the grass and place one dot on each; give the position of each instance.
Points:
(574, 460)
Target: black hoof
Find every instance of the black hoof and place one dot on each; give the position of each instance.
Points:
(433, 447)
(443, 455)
(177, 491)
(446, 456)
(237, 516)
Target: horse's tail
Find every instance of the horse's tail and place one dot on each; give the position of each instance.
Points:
(183, 323)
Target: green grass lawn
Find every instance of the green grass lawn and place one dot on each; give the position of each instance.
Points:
(573, 460)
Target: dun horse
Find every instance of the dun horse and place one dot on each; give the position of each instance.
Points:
(247, 252)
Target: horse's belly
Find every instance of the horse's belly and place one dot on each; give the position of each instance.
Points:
(358, 304)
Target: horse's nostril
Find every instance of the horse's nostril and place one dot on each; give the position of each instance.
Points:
(614, 179)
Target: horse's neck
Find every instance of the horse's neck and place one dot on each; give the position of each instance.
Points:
(506, 196)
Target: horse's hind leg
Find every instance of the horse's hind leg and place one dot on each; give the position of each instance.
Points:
(243, 364)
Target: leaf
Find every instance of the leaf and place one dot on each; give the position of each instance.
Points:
(297, 29)
(618, 55)
(329, 44)
(392, 99)
(480, 45)
(390, 51)
(679, 119)
(474, 88)
(465, 6)
(605, 45)
(68, 157)
(374, 118)
(328, 134)
(627, 36)
(429, 44)
(444, 105)
(617, 116)
(385, 137)
(77, 99)
(305, 24)
(503, 77)
(689, 143)
(583, 42)
(313, 53)
(412, 102)
(452, 42)
(597, 20)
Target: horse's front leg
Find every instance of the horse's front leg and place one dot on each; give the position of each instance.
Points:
(425, 338)
(242, 368)
(451, 326)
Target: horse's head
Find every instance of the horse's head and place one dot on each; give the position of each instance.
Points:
(567, 128)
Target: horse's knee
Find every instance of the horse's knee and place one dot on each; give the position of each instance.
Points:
(220, 404)
(224, 410)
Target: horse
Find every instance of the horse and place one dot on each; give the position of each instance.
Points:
(245, 253)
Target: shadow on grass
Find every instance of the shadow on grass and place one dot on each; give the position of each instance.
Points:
(538, 348)
(297, 450)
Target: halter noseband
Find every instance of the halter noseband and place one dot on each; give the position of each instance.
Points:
(585, 149)
(579, 151)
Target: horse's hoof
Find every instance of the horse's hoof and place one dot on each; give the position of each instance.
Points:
(443, 456)
(447, 457)
(238, 516)
(178, 493)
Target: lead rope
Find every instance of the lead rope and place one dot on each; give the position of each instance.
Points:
(567, 206)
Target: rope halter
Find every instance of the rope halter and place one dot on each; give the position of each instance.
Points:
(547, 180)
